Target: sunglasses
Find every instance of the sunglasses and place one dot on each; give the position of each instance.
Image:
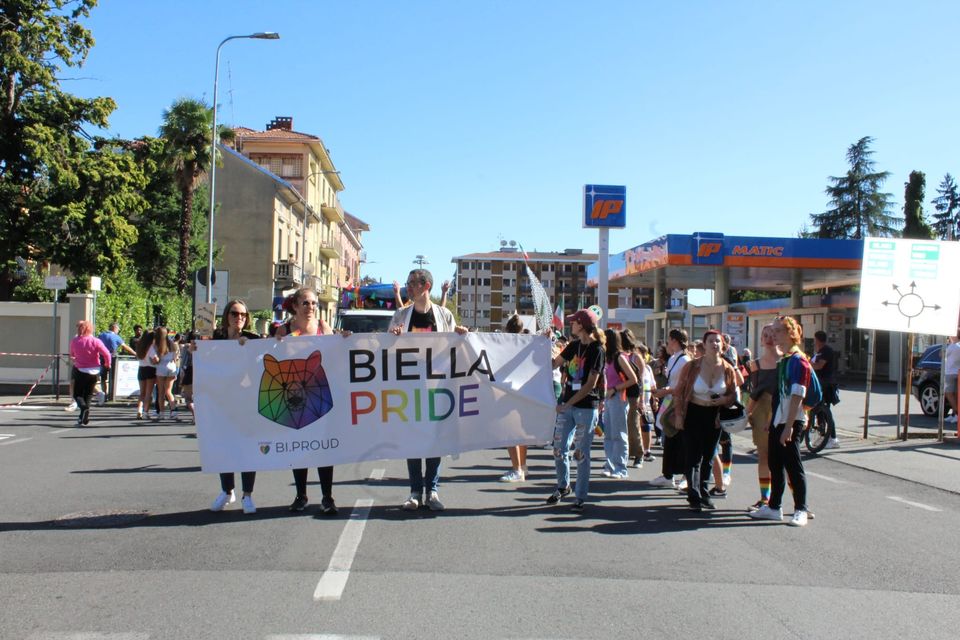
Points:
(309, 303)
(238, 314)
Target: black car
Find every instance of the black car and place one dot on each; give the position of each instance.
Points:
(926, 380)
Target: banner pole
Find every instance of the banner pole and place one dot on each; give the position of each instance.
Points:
(870, 354)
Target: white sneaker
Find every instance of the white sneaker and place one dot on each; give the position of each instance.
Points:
(766, 513)
(412, 503)
(223, 500)
(514, 475)
(727, 480)
(101, 398)
(833, 443)
(799, 519)
(682, 484)
(433, 502)
(248, 506)
(663, 481)
(606, 473)
(71, 407)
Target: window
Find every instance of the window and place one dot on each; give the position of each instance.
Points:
(485, 297)
(291, 167)
(509, 266)
(279, 244)
(486, 265)
(486, 282)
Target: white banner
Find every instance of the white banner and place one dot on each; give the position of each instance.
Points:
(908, 285)
(326, 400)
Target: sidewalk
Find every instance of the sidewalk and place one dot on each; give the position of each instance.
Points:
(921, 459)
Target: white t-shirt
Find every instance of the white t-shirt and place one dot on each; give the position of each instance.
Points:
(951, 366)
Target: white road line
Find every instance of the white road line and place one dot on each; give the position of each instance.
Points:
(4, 436)
(62, 430)
(827, 478)
(334, 579)
(918, 505)
(3, 444)
(319, 636)
(70, 635)
(377, 474)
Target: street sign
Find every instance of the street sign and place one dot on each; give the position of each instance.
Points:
(221, 286)
(55, 282)
(95, 283)
(906, 285)
(604, 206)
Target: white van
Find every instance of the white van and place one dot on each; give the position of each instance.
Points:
(363, 320)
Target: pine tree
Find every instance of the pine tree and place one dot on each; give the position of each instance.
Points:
(915, 223)
(947, 205)
(858, 207)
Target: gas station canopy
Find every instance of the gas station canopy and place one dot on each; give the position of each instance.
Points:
(715, 261)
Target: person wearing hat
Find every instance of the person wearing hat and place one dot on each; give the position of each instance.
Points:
(577, 410)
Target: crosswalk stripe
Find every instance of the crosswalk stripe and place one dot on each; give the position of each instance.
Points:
(3, 444)
(918, 505)
(318, 636)
(334, 579)
(83, 635)
(4, 436)
(377, 474)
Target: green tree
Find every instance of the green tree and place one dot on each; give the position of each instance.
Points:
(915, 223)
(186, 129)
(858, 208)
(947, 206)
(43, 148)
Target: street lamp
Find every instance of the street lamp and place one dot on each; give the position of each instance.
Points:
(260, 35)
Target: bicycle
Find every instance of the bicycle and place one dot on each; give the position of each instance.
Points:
(816, 435)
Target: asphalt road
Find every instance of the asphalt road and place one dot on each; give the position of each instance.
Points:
(879, 560)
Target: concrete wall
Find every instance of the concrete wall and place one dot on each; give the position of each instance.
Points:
(27, 327)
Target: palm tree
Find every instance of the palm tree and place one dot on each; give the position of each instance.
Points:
(186, 135)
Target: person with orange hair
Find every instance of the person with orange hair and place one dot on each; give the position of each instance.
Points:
(86, 351)
(794, 380)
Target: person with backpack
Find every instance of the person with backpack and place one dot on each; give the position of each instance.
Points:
(797, 386)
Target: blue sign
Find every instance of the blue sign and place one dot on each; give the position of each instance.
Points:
(604, 206)
(707, 248)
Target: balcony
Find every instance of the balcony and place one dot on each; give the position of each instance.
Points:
(287, 274)
(328, 249)
(333, 213)
(326, 293)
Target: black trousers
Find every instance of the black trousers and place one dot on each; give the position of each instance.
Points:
(326, 481)
(672, 459)
(700, 438)
(83, 384)
(726, 447)
(247, 478)
(787, 458)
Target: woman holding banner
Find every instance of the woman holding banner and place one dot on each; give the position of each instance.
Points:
(302, 306)
(233, 326)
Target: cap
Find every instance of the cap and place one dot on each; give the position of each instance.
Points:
(587, 318)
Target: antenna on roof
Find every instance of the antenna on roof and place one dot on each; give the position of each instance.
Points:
(503, 243)
(513, 243)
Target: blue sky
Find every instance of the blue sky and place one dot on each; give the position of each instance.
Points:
(458, 123)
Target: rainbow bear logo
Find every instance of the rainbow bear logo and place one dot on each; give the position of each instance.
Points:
(294, 393)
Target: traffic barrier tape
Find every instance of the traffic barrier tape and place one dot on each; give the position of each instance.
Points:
(6, 406)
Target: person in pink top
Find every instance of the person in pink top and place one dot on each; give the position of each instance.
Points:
(86, 351)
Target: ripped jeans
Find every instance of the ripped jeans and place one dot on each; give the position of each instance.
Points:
(574, 426)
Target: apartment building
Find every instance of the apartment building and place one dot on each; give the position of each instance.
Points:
(352, 255)
(299, 232)
(492, 286)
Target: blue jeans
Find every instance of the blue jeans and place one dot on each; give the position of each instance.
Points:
(417, 479)
(574, 426)
(615, 433)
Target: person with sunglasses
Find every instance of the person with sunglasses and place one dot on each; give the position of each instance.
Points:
(234, 326)
(302, 305)
(422, 317)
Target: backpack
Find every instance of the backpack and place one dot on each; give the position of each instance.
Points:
(814, 392)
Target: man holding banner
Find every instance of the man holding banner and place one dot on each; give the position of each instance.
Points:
(423, 317)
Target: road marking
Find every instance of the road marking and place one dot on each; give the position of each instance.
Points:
(377, 474)
(319, 636)
(3, 444)
(62, 430)
(65, 635)
(4, 436)
(827, 478)
(334, 579)
(918, 505)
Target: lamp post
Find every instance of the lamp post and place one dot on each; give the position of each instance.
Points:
(260, 35)
(420, 260)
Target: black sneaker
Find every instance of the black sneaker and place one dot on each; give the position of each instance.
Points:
(695, 506)
(707, 504)
(558, 495)
(718, 492)
(86, 417)
(299, 503)
(578, 505)
(328, 507)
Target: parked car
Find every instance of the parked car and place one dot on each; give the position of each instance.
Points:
(926, 380)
